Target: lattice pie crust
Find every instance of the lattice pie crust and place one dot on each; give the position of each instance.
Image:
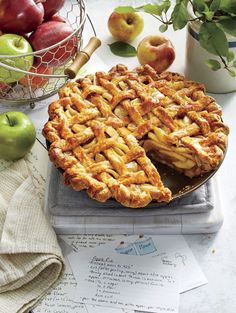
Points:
(104, 124)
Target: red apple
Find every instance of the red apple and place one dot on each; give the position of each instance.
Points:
(51, 7)
(57, 18)
(125, 26)
(157, 51)
(20, 17)
(36, 81)
(4, 88)
(3, 85)
(50, 33)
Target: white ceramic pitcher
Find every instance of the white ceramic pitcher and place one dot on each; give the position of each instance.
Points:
(196, 69)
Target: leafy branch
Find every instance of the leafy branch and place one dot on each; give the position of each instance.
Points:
(217, 18)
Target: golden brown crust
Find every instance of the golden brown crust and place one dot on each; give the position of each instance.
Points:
(98, 125)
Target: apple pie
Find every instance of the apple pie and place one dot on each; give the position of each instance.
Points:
(104, 126)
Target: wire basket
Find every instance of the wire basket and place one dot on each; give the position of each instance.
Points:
(47, 76)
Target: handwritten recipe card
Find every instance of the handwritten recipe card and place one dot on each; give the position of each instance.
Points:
(115, 280)
(63, 298)
(123, 274)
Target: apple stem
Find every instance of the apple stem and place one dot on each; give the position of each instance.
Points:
(9, 121)
(129, 21)
(18, 42)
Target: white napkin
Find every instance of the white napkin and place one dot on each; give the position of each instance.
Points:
(30, 258)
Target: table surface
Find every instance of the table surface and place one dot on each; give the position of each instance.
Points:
(216, 253)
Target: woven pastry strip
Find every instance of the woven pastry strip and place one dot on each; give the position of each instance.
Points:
(102, 126)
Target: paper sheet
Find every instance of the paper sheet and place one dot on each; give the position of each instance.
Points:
(169, 249)
(166, 252)
(63, 299)
(159, 247)
(115, 280)
(78, 242)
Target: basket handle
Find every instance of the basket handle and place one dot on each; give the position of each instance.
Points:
(82, 57)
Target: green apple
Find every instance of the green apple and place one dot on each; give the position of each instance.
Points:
(125, 26)
(14, 45)
(17, 135)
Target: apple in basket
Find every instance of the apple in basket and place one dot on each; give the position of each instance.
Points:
(157, 51)
(17, 135)
(51, 33)
(36, 81)
(57, 18)
(14, 45)
(125, 26)
(22, 16)
(3, 87)
(51, 7)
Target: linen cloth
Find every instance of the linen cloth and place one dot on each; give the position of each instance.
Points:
(31, 261)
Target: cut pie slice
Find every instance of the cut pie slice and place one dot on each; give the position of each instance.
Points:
(104, 124)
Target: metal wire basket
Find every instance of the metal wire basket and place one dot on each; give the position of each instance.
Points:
(37, 84)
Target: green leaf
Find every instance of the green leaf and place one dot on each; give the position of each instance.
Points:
(228, 6)
(153, 9)
(124, 9)
(200, 6)
(166, 4)
(209, 15)
(180, 15)
(229, 25)
(156, 9)
(234, 63)
(213, 39)
(230, 56)
(163, 28)
(232, 73)
(214, 6)
(122, 49)
(213, 64)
